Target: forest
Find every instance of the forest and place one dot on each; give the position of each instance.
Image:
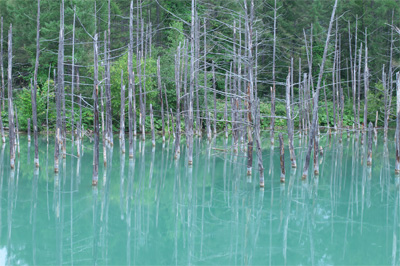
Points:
(244, 67)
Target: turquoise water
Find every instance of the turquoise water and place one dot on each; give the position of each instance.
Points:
(154, 210)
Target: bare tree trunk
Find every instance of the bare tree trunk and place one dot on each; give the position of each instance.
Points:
(17, 129)
(316, 163)
(191, 86)
(11, 127)
(366, 83)
(390, 70)
(206, 116)
(47, 106)
(95, 175)
(289, 120)
(258, 142)
(385, 92)
(273, 79)
(300, 98)
(226, 106)
(161, 98)
(173, 125)
(2, 66)
(29, 124)
(376, 126)
(58, 90)
(79, 128)
(196, 38)
(316, 96)
(282, 157)
(153, 138)
(397, 165)
(131, 67)
(122, 119)
(103, 125)
(215, 98)
(369, 158)
(131, 113)
(250, 85)
(3, 138)
(108, 81)
(63, 125)
(167, 108)
(178, 103)
(73, 85)
(334, 85)
(326, 108)
(359, 88)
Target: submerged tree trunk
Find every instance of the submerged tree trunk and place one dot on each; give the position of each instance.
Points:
(178, 103)
(79, 128)
(258, 142)
(314, 128)
(369, 158)
(273, 79)
(122, 119)
(2, 94)
(316, 163)
(290, 122)
(11, 134)
(397, 165)
(215, 98)
(161, 98)
(282, 157)
(131, 113)
(29, 123)
(95, 176)
(73, 85)
(2, 66)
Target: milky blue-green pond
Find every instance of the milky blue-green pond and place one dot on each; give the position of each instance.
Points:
(154, 210)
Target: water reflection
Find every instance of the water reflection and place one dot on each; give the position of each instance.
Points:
(153, 209)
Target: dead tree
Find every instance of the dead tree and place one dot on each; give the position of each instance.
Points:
(109, 131)
(11, 127)
(178, 103)
(250, 86)
(130, 112)
(95, 176)
(130, 72)
(314, 125)
(191, 87)
(122, 119)
(316, 163)
(226, 106)
(282, 157)
(166, 105)
(397, 165)
(369, 158)
(17, 130)
(29, 125)
(73, 84)
(366, 82)
(215, 98)
(290, 122)
(3, 138)
(161, 98)
(153, 138)
(47, 106)
(60, 83)
(273, 79)
(79, 128)
(206, 116)
(385, 92)
(1, 65)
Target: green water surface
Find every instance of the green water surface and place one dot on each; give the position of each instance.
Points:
(154, 210)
